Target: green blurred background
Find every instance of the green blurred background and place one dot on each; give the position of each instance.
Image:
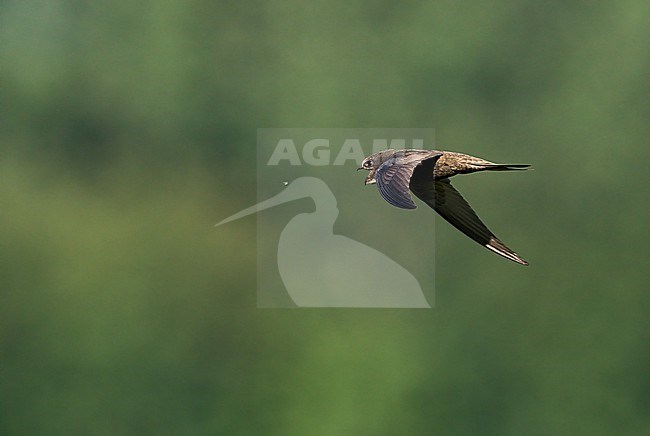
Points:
(129, 129)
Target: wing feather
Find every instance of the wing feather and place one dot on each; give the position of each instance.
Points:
(394, 176)
(447, 201)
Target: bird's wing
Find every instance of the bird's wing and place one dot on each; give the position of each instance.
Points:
(448, 202)
(394, 176)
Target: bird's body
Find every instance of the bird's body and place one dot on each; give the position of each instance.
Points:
(426, 173)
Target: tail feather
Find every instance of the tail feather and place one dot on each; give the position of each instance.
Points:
(506, 167)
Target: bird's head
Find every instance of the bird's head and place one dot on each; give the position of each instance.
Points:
(373, 162)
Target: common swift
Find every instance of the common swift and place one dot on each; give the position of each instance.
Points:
(426, 173)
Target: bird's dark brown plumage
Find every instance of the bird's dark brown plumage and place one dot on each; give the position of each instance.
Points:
(426, 173)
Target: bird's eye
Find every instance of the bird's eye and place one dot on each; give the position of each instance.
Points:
(367, 164)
